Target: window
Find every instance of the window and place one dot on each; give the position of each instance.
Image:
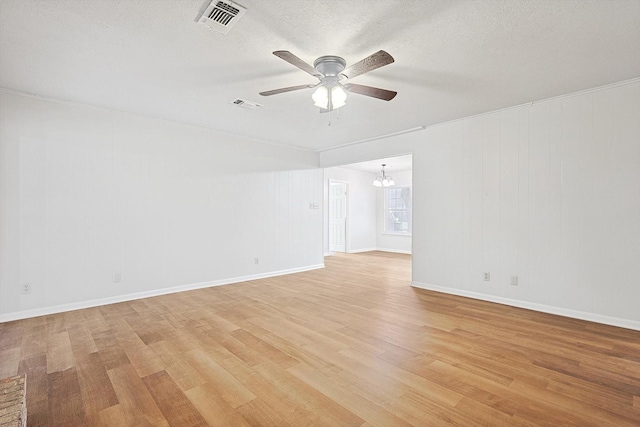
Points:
(397, 210)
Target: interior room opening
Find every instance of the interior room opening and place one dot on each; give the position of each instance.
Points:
(368, 206)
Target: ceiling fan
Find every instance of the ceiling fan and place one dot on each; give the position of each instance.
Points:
(331, 91)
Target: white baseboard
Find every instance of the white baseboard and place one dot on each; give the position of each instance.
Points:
(25, 314)
(357, 251)
(395, 251)
(582, 315)
(332, 253)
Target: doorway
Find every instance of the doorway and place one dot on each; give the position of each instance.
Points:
(338, 198)
(366, 207)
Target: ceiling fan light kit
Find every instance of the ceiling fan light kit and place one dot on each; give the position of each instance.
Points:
(329, 99)
(331, 92)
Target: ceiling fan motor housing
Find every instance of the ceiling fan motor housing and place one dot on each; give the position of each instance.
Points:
(330, 65)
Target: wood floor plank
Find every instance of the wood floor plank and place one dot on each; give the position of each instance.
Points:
(81, 340)
(231, 389)
(132, 350)
(304, 396)
(272, 393)
(354, 402)
(11, 361)
(135, 398)
(59, 352)
(40, 419)
(259, 414)
(35, 369)
(65, 398)
(185, 375)
(348, 345)
(417, 408)
(95, 384)
(266, 350)
(408, 379)
(34, 338)
(215, 410)
(12, 335)
(118, 415)
(175, 406)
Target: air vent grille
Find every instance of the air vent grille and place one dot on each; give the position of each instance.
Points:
(243, 103)
(223, 13)
(221, 16)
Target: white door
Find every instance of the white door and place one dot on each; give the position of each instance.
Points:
(337, 216)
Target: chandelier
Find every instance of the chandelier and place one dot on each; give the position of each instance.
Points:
(383, 180)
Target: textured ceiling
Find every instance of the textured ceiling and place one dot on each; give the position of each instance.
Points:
(453, 59)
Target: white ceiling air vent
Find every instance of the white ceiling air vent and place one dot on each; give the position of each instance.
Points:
(221, 15)
(250, 105)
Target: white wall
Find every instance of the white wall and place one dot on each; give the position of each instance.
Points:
(361, 209)
(549, 192)
(87, 192)
(391, 242)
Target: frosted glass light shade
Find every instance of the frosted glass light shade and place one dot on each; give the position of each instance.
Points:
(321, 97)
(338, 97)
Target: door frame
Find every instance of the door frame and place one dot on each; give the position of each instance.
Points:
(346, 221)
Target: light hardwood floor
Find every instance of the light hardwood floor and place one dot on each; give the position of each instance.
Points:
(349, 345)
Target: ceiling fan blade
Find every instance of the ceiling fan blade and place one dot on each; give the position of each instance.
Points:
(285, 89)
(294, 60)
(377, 60)
(374, 92)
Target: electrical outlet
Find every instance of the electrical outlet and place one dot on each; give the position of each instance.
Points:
(257, 261)
(117, 277)
(487, 277)
(514, 280)
(26, 288)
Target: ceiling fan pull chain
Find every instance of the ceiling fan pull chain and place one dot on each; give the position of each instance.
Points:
(337, 115)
